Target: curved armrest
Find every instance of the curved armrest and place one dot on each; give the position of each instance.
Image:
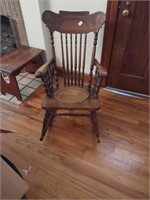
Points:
(100, 69)
(41, 71)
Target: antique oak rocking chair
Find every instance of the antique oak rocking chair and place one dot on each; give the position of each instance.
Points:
(76, 92)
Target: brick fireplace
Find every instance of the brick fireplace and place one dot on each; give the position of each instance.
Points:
(10, 12)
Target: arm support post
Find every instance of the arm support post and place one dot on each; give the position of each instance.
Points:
(47, 73)
(100, 74)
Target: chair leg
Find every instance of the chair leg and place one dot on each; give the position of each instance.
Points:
(95, 123)
(46, 122)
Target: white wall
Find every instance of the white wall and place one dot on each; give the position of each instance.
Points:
(78, 5)
(45, 5)
(32, 19)
(37, 33)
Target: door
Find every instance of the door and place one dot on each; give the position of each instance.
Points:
(129, 56)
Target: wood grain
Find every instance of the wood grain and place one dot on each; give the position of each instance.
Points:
(69, 163)
(73, 28)
(73, 22)
(14, 61)
(125, 47)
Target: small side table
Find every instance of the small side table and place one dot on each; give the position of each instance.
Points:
(13, 62)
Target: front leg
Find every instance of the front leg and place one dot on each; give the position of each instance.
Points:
(95, 123)
(46, 122)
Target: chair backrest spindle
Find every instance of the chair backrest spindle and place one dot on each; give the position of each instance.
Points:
(79, 65)
(53, 55)
(74, 28)
(71, 59)
(92, 58)
(67, 59)
(52, 44)
(75, 62)
(63, 60)
(84, 56)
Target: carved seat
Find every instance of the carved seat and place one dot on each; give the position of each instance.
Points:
(76, 92)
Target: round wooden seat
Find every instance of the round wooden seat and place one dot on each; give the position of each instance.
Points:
(71, 94)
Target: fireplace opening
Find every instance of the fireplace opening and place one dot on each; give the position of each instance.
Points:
(8, 35)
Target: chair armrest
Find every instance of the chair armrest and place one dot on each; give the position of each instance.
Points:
(100, 69)
(42, 70)
(100, 73)
(48, 74)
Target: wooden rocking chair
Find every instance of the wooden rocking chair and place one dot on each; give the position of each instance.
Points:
(76, 93)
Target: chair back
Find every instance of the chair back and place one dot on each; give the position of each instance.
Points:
(74, 28)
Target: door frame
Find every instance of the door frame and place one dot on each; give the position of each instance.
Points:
(109, 34)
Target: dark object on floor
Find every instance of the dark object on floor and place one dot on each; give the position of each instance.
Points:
(76, 93)
(14, 168)
(5, 131)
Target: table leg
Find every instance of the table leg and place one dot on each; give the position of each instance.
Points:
(11, 87)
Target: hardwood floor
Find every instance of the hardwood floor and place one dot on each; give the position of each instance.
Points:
(68, 163)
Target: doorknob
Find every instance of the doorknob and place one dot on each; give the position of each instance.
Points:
(125, 13)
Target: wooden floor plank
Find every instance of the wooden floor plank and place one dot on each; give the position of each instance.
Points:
(69, 163)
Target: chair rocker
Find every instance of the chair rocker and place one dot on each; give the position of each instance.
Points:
(75, 92)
